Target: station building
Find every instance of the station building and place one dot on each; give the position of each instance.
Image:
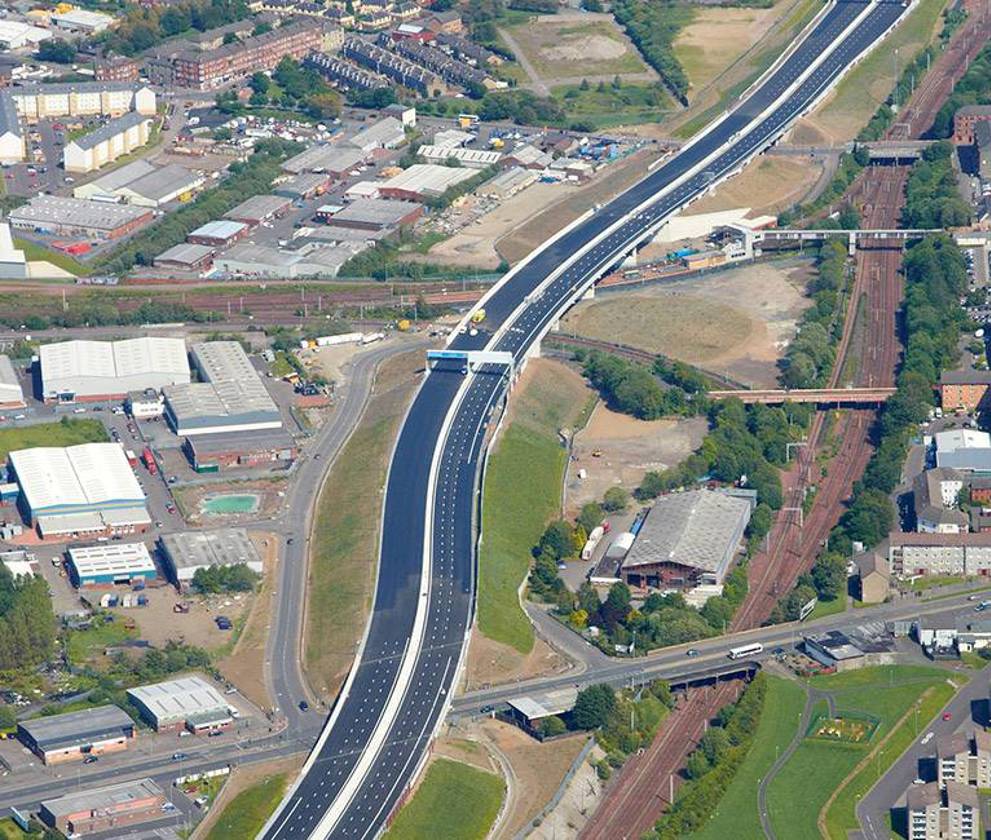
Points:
(185, 703)
(58, 739)
(184, 553)
(110, 563)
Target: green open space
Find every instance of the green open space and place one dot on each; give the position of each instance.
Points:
(736, 815)
(66, 432)
(522, 491)
(932, 581)
(84, 645)
(607, 106)
(455, 801)
(34, 252)
(9, 830)
(817, 768)
(824, 608)
(246, 813)
(207, 789)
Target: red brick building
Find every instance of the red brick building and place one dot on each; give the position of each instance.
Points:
(117, 68)
(964, 390)
(965, 120)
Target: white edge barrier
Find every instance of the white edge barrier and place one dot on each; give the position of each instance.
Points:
(534, 343)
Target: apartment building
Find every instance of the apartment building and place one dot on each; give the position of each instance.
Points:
(210, 69)
(964, 758)
(964, 389)
(98, 148)
(117, 68)
(949, 814)
(965, 122)
(12, 147)
(81, 99)
(963, 554)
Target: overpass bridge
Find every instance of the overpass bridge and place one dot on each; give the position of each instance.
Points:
(838, 397)
(879, 151)
(853, 237)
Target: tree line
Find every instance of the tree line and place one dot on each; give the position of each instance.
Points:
(932, 199)
(143, 27)
(634, 389)
(973, 88)
(27, 622)
(653, 27)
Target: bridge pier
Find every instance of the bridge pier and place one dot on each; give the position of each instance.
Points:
(851, 247)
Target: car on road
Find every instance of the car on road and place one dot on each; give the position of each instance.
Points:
(289, 541)
(929, 736)
(91, 759)
(691, 652)
(778, 651)
(167, 807)
(947, 716)
(304, 706)
(214, 733)
(918, 781)
(179, 756)
(487, 710)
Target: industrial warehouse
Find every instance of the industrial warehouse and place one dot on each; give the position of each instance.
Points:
(185, 703)
(110, 563)
(105, 808)
(212, 453)
(183, 554)
(57, 739)
(258, 209)
(88, 371)
(11, 395)
(231, 397)
(88, 489)
(143, 185)
(61, 216)
(689, 539)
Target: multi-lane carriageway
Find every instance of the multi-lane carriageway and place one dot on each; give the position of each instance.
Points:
(377, 735)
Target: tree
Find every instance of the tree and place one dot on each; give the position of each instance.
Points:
(616, 606)
(214, 579)
(549, 727)
(8, 717)
(57, 50)
(556, 540)
(714, 744)
(593, 706)
(259, 83)
(325, 105)
(662, 691)
(591, 516)
(588, 599)
(829, 576)
(697, 765)
(615, 499)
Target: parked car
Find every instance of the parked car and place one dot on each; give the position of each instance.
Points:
(304, 706)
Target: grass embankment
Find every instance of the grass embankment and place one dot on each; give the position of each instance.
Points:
(818, 768)
(522, 491)
(246, 813)
(736, 815)
(454, 801)
(824, 608)
(630, 104)
(65, 433)
(345, 536)
(858, 95)
(33, 252)
(9, 830)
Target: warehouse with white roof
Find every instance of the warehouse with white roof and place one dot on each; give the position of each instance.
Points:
(185, 703)
(110, 563)
(80, 371)
(79, 490)
(11, 395)
(184, 553)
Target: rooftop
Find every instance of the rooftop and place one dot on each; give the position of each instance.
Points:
(219, 229)
(111, 558)
(99, 215)
(386, 131)
(127, 174)
(378, 211)
(953, 439)
(333, 158)
(76, 728)
(110, 798)
(185, 253)
(163, 183)
(218, 361)
(9, 123)
(966, 377)
(179, 698)
(428, 179)
(222, 547)
(545, 703)
(698, 528)
(920, 797)
(224, 399)
(111, 129)
(259, 207)
(66, 360)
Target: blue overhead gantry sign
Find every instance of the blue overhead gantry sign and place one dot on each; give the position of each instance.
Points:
(470, 359)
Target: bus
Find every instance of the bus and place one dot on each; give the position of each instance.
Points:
(746, 650)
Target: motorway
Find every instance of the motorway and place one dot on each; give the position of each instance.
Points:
(376, 737)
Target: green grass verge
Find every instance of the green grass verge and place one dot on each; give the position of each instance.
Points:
(455, 801)
(824, 608)
(798, 793)
(841, 817)
(932, 581)
(34, 252)
(736, 814)
(246, 813)
(631, 104)
(68, 432)
(522, 491)
(9, 830)
(281, 366)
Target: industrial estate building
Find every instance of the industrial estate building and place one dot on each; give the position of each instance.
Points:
(55, 215)
(143, 185)
(231, 397)
(424, 180)
(11, 395)
(81, 20)
(313, 260)
(107, 564)
(688, 539)
(258, 209)
(119, 136)
(186, 703)
(184, 553)
(82, 99)
(57, 739)
(86, 371)
(15, 35)
(336, 160)
(87, 489)
(469, 158)
(374, 214)
(219, 233)
(387, 133)
(186, 257)
(212, 453)
(105, 808)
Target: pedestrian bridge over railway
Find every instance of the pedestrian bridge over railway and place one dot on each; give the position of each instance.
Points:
(820, 396)
(853, 237)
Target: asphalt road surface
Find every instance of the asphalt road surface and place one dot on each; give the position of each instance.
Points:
(377, 734)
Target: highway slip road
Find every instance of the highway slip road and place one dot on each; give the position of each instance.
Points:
(376, 737)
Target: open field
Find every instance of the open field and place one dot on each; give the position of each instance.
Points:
(767, 185)
(735, 322)
(522, 492)
(568, 46)
(718, 37)
(803, 786)
(67, 432)
(854, 100)
(247, 800)
(609, 107)
(736, 815)
(455, 801)
(629, 448)
(345, 539)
